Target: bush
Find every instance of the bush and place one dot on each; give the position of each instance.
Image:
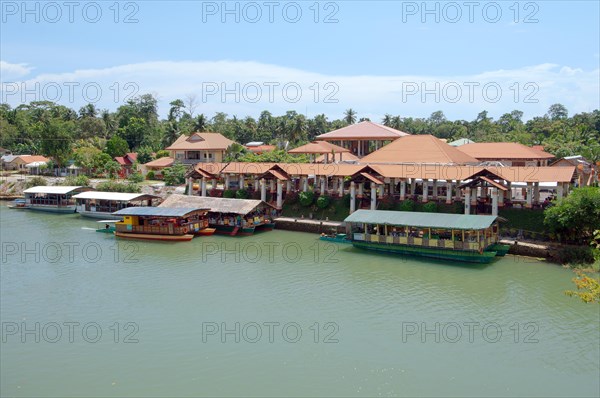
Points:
(241, 194)
(36, 182)
(215, 193)
(346, 200)
(113, 186)
(174, 175)
(150, 175)
(386, 203)
(79, 180)
(229, 193)
(306, 198)
(162, 154)
(323, 202)
(136, 177)
(575, 217)
(290, 198)
(407, 205)
(576, 255)
(430, 207)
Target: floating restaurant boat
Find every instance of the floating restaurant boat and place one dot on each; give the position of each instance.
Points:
(56, 199)
(97, 204)
(467, 238)
(160, 223)
(229, 216)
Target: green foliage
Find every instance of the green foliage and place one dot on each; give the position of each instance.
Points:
(276, 156)
(575, 255)
(80, 180)
(174, 175)
(229, 193)
(136, 177)
(162, 154)
(36, 181)
(406, 205)
(575, 217)
(306, 198)
(113, 186)
(144, 154)
(588, 288)
(150, 175)
(116, 146)
(323, 201)
(241, 194)
(386, 203)
(430, 207)
(111, 168)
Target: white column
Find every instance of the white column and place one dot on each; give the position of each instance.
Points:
(425, 191)
(263, 190)
(214, 183)
(467, 200)
(288, 185)
(305, 184)
(536, 192)
(203, 186)
(352, 197)
(509, 194)
(500, 198)
(413, 186)
(529, 195)
(361, 189)
(272, 186)
(435, 189)
(457, 193)
(255, 186)
(279, 194)
(474, 196)
(448, 192)
(242, 182)
(334, 184)
(226, 182)
(402, 190)
(373, 197)
(494, 201)
(341, 186)
(190, 185)
(323, 187)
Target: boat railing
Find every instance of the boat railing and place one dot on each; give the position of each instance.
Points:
(424, 242)
(152, 229)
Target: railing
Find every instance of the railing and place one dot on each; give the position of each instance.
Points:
(151, 229)
(424, 242)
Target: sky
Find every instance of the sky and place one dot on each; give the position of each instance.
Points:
(238, 57)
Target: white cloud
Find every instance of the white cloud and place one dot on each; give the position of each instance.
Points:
(10, 71)
(247, 88)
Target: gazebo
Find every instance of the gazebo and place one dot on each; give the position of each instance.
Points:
(324, 148)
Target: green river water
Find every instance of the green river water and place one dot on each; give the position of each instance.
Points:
(278, 314)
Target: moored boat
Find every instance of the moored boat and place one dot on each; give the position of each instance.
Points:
(337, 238)
(97, 204)
(55, 199)
(465, 238)
(156, 223)
(17, 204)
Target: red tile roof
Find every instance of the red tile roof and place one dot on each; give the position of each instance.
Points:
(160, 162)
(32, 158)
(320, 147)
(425, 149)
(201, 142)
(503, 150)
(363, 131)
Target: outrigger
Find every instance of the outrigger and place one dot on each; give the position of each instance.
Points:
(467, 238)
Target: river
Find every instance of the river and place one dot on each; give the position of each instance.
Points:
(278, 314)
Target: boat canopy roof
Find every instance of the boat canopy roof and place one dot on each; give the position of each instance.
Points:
(422, 220)
(116, 196)
(216, 205)
(158, 211)
(59, 190)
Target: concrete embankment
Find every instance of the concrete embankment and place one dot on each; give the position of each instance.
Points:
(307, 225)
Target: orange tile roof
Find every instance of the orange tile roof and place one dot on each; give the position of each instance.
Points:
(160, 162)
(419, 149)
(260, 148)
(320, 147)
(503, 150)
(32, 158)
(363, 131)
(346, 157)
(201, 141)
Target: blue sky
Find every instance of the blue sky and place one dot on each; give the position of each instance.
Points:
(377, 57)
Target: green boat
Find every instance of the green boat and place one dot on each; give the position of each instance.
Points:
(109, 226)
(455, 237)
(337, 238)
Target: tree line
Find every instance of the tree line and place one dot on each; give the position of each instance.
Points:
(54, 130)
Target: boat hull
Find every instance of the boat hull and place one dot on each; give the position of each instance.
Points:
(98, 215)
(500, 249)
(166, 238)
(437, 253)
(53, 209)
(232, 230)
(266, 227)
(335, 239)
(205, 232)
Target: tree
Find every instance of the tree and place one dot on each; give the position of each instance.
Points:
(116, 146)
(575, 217)
(55, 138)
(174, 175)
(144, 154)
(191, 103)
(588, 288)
(200, 123)
(350, 116)
(234, 152)
(557, 112)
(111, 168)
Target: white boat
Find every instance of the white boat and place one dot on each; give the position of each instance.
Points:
(96, 204)
(55, 199)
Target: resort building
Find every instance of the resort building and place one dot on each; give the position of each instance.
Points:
(56, 199)
(29, 163)
(419, 149)
(586, 172)
(362, 138)
(126, 162)
(200, 148)
(323, 151)
(507, 153)
(156, 166)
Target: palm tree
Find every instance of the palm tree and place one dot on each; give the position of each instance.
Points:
(200, 123)
(387, 120)
(350, 116)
